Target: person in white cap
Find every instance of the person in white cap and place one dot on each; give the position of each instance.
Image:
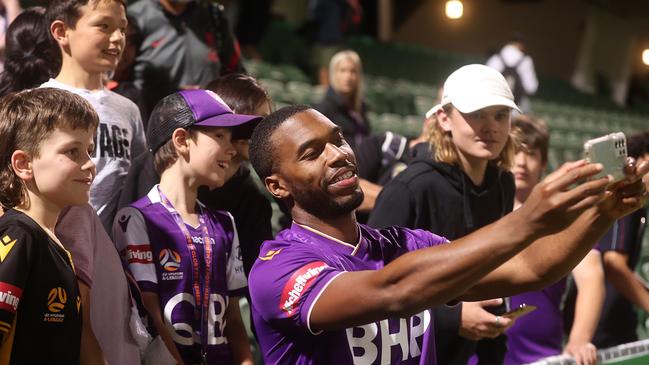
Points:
(460, 185)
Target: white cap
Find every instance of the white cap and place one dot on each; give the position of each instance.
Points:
(474, 87)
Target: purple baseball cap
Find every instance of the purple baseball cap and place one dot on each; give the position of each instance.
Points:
(189, 108)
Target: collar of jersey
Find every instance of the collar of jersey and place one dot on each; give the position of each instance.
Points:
(154, 197)
(49, 233)
(334, 239)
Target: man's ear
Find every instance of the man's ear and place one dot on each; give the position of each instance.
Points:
(443, 120)
(60, 33)
(180, 138)
(21, 163)
(275, 185)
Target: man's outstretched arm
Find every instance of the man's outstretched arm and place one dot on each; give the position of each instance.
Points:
(432, 276)
(551, 257)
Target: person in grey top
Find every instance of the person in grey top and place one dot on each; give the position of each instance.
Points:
(185, 44)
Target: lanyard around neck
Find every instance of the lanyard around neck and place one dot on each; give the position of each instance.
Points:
(202, 301)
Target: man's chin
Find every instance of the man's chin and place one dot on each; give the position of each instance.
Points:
(351, 202)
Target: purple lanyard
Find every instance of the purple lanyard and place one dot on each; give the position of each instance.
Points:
(204, 300)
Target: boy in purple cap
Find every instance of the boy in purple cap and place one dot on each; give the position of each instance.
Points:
(331, 291)
(186, 284)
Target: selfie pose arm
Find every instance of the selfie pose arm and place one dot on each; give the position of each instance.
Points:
(432, 276)
(553, 256)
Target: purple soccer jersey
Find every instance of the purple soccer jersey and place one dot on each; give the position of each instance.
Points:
(157, 255)
(540, 333)
(294, 269)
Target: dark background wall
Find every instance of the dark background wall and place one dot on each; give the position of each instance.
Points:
(556, 32)
(554, 29)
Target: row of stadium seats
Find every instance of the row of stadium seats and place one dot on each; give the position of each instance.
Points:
(398, 105)
(288, 84)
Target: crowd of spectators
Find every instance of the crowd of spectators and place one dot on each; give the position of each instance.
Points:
(142, 164)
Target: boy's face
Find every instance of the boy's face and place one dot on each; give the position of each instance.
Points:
(62, 172)
(98, 39)
(480, 135)
(528, 168)
(210, 154)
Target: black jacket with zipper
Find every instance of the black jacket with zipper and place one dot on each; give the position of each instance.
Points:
(441, 198)
(355, 126)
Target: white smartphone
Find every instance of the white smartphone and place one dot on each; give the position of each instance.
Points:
(610, 151)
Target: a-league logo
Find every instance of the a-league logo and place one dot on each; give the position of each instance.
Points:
(169, 260)
(56, 300)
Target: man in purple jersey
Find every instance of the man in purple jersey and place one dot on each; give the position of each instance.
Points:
(329, 290)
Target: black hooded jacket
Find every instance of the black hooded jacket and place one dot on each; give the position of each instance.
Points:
(441, 198)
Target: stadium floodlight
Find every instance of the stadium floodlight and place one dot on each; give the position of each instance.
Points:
(454, 9)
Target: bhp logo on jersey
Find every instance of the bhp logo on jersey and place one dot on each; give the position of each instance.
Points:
(391, 340)
(9, 297)
(169, 260)
(139, 254)
(299, 282)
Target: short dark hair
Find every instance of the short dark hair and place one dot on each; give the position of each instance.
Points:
(531, 134)
(164, 153)
(262, 151)
(31, 56)
(638, 144)
(27, 118)
(243, 94)
(68, 10)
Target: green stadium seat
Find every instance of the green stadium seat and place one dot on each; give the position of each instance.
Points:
(378, 101)
(423, 104)
(298, 92)
(292, 73)
(280, 105)
(412, 125)
(275, 89)
(391, 122)
(317, 94)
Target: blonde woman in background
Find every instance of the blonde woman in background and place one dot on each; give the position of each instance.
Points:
(343, 103)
